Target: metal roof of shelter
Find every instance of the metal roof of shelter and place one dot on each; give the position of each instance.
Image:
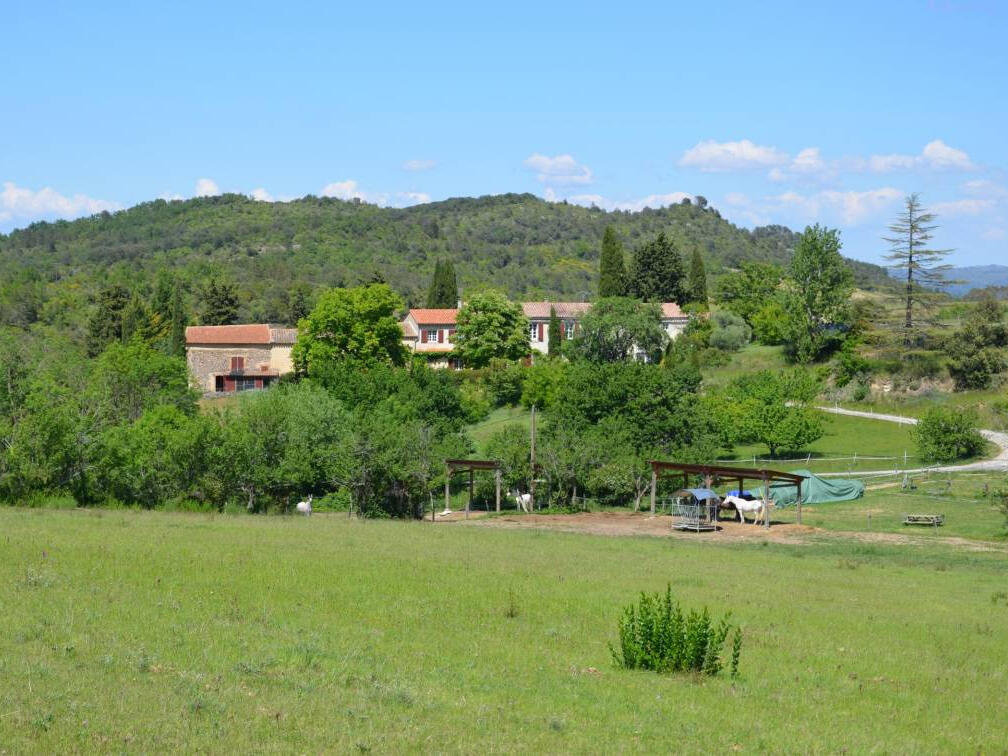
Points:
(724, 471)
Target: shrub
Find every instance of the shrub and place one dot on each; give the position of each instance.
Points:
(474, 400)
(945, 435)
(730, 332)
(504, 383)
(655, 634)
(769, 324)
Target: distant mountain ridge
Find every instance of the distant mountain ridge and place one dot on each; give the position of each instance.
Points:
(976, 277)
(531, 248)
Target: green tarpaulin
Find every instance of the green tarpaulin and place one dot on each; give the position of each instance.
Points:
(814, 490)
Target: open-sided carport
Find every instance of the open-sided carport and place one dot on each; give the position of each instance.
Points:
(712, 474)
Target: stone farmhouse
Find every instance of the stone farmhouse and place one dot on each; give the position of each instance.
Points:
(224, 359)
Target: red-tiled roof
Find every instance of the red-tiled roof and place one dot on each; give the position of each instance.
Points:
(563, 309)
(671, 310)
(434, 317)
(258, 333)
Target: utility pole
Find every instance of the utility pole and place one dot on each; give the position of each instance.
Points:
(532, 473)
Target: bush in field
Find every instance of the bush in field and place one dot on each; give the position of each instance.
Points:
(945, 435)
(730, 332)
(656, 634)
(768, 324)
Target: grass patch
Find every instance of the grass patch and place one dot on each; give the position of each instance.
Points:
(191, 632)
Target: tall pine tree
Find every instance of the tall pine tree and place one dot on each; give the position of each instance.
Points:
(921, 268)
(105, 325)
(657, 274)
(612, 274)
(697, 283)
(220, 304)
(555, 340)
(443, 292)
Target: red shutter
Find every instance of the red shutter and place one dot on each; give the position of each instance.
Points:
(540, 332)
(237, 364)
(423, 335)
(440, 335)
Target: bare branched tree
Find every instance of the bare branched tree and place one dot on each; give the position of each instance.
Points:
(923, 267)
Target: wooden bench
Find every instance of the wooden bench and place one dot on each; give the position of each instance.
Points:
(924, 519)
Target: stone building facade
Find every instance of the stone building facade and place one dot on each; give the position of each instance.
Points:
(226, 359)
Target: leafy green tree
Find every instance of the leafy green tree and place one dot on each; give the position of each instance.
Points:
(136, 321)
(356, 325)
(489, 326)
(617, 326)
(220, 303)
(817, 300)
(771, 408)
(976, 350)
(747, 290)
(105, 324)
(657, 274)
(612, 273)
(511, 446)
(555, 334)
(443, 292)
(769, 323)
(944, 434)
(129, 379)
(696, 285)
(921, 267)
(542, 382)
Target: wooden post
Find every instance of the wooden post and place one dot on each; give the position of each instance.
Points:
(497, 482)
(766, 502)
(447, 488)
(532, 470)
(469, 500)
(799, 503)
(654, 486)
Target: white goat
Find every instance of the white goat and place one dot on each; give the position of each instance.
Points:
(756, 508)
(524, 500)
(304, 507)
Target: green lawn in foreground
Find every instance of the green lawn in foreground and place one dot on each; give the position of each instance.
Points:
(151, 632)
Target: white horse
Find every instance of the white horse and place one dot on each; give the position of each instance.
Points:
(304, 507)
(756, 508)
(524, 500)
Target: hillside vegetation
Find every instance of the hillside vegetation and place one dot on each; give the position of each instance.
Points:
(527, 246)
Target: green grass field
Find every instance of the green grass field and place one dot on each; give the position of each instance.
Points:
(145, 631)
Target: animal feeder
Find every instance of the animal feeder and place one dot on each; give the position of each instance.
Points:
(695, 509)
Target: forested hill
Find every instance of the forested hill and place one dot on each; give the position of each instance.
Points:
(527, 246)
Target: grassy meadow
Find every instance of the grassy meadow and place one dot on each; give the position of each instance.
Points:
(153, 631)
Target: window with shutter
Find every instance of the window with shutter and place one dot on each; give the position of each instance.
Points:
(440, 336)
(540, 332)
(237, 364)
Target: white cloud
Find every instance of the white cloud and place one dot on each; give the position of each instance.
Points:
(344, 190)
(963, 207)
(984, 188)
(414, 198)
(711, 156)
(559, 170)
(27, 204)
(652, 200)
(207, 188)
(936, 155)
(418, 165)
(261, 194)
(995, 234)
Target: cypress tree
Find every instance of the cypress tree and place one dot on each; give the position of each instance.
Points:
(657, 274)
(612, 274)
(555, 334)
(176, 344)
(697, 284)
(299, 307)
(135, 320)
(443, 292)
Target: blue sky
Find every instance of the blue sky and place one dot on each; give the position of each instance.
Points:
(776, 112)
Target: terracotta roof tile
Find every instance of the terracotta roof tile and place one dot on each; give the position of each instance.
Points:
(426, 316)
(563, 309)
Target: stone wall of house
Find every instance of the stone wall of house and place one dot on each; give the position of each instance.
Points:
(207, 361)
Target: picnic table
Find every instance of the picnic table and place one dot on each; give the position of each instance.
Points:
(924, 519)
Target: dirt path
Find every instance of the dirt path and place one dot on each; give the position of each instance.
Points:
(637, 524)
(998, 463)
